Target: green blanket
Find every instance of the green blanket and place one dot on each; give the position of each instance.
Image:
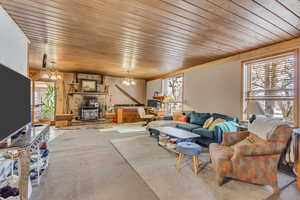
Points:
(229, 126)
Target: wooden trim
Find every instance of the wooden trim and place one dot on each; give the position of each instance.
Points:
(269, 56)
(296, 117)
(33, 101)
(28, 47)
(242, 93)
(245, 55)
(295, 52)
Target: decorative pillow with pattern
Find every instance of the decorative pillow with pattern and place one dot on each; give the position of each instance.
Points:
(208, 122)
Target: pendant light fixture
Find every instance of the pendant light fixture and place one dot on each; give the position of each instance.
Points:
(128, 81)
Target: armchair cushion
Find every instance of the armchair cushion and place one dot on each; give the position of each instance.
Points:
(231, 138)
(250, 140)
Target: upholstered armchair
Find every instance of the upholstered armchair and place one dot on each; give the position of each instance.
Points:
(255, 163)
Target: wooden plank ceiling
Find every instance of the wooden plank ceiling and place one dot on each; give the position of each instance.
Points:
(149, 37)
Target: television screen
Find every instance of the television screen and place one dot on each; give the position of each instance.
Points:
(152, 103)
(15, 98)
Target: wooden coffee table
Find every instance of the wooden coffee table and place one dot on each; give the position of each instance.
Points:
(175, 133)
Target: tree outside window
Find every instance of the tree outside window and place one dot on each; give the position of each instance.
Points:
(173, 90)
(271, 83)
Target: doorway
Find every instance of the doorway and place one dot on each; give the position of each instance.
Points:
(44, 101)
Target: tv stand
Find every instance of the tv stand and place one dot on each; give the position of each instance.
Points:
(22, 150)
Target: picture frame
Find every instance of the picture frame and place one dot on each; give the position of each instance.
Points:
(88, 85)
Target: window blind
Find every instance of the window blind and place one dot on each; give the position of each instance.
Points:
(272, 78)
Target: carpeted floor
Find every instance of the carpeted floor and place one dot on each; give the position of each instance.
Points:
(85, 165)
(157, 167)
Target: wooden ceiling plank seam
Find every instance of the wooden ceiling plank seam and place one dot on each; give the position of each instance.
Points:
(13, 14)
(238, 18)
(267, 15)
(245, 25)
(285, 5)
(152, 10)
(278, 9)
(228, 24)
(203, 24)
(171, 55)
(51, 38)
(238, 3)
(128, 41)
(245, 14)
(27, 29)
(225, 44)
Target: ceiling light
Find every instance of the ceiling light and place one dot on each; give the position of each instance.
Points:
(128, 81)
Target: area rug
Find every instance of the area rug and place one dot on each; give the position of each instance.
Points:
(85, 127)
(126, 128)
(157, 167)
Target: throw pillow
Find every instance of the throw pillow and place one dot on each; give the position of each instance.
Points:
(184, 118)
(208, 122)
(251, 139)
(177, 116)
(214, 123)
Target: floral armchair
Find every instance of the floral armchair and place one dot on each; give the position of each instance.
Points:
(255, 163)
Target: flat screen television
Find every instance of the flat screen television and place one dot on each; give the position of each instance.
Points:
(15, 101)
(152, 103)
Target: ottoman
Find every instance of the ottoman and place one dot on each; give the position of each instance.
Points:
(189, 149)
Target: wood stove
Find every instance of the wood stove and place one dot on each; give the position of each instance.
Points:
(89, 113)
(90, 109)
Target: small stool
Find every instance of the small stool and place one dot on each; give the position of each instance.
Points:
(190, 149)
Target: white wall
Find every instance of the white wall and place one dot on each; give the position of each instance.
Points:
(137, 91)
(214, 89)
(13, 44)
(217, 88)
(153, 86)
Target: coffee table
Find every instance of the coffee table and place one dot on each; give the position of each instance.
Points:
(175, 133)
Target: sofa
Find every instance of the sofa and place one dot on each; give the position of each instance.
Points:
(256, 162)
(195, 124)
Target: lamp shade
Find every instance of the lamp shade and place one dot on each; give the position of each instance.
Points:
(254, 108)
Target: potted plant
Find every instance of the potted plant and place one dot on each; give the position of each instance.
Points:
(48, 107)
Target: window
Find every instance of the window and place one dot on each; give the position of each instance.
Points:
(271, 83)
(173, 90)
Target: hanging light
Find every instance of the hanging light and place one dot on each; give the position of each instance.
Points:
(133, 82)
(128, 81)
(51, 72)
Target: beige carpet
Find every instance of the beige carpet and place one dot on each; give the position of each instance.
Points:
(85, 166)
(157, 167)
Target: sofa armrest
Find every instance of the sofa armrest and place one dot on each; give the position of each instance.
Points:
(259, 149)
(231, 138)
